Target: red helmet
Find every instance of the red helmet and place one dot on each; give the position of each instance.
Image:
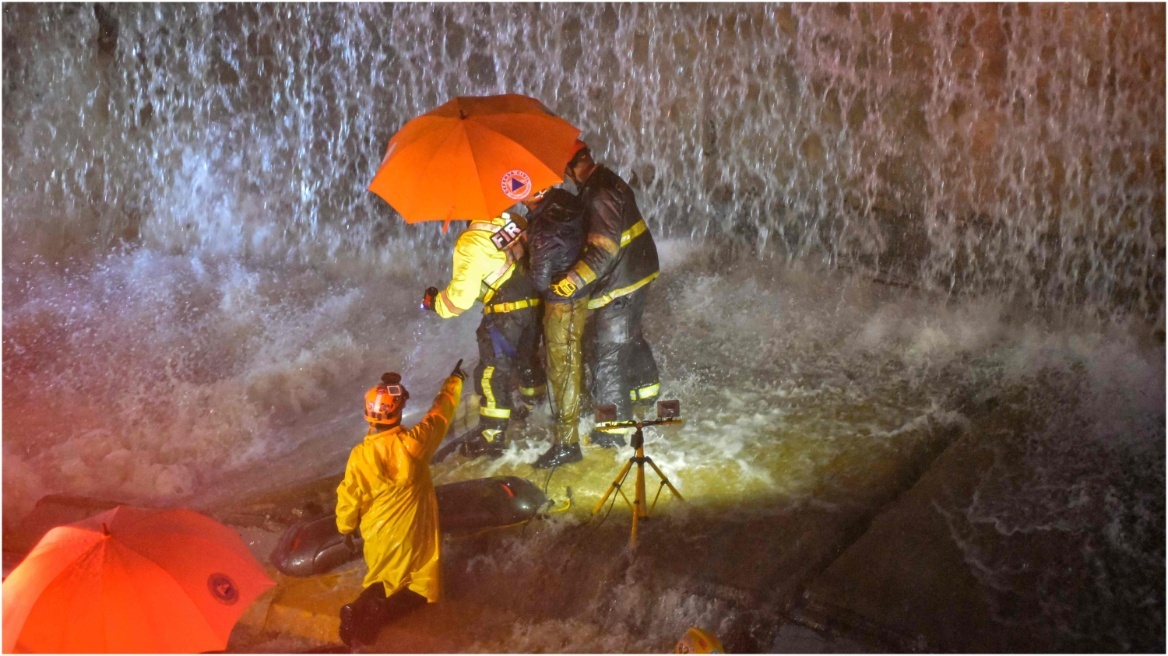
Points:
(384, 401)
(579, 149)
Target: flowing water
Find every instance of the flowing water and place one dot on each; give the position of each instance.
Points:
(879, 225)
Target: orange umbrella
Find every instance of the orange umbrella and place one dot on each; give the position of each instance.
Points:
(131, 580)
(473, 157)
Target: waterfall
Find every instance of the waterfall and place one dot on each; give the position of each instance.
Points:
(1015, 150)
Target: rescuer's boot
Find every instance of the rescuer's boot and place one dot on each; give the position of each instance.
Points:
(522, 404)
(520, 412)
(559, 454)
(346, 630)
(360, 624)
(645, 409)
(488, 439)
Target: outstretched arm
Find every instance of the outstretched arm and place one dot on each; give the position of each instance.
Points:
(604, 237)
(466, 278)
(433, 427)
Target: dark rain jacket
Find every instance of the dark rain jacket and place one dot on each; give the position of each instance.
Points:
(555, 239)
(620, 256)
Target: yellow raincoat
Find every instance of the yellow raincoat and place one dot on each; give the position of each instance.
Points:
(387, 488)
(481, 267)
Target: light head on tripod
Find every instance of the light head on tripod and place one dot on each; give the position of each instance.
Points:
(668, 412)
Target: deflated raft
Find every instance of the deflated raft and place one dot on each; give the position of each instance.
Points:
(314, 546)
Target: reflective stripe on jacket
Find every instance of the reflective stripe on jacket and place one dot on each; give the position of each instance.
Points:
(387, 490)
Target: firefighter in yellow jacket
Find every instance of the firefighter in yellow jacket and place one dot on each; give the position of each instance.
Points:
(489, 266)
(387, 493)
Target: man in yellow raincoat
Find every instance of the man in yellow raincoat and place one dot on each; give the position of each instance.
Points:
(489, 266)
(388, 493)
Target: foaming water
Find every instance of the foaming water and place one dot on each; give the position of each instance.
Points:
(198, 288)
(147, 375)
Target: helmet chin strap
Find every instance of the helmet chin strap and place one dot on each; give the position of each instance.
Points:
(380, 426)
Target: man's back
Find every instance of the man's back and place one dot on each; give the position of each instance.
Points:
(555, 237)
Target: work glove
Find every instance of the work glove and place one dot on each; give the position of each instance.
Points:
(350, 544)
(458, 371)
(567, 286)
(428, 299)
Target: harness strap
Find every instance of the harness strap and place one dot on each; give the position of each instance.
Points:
(500, 308)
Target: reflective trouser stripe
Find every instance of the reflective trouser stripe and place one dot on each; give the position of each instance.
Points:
(490, 407)
(645, 392)
(488, 395)
(533, 391)
(601, 301)
(494, 413)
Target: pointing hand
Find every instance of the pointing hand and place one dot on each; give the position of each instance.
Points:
(458, 371)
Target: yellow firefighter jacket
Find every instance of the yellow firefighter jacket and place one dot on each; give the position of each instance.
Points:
(388, 490)
(486, 257)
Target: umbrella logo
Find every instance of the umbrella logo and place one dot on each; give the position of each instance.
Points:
(223, 588)
(516, 184)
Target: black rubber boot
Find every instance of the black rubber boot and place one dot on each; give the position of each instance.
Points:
(487, 439)
(488, 443)
(645, 408)
(559, 454)
(346, 630)
(362, 619)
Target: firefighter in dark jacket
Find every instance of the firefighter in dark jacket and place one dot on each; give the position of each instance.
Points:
(618, 263)
(489, 267)
(555, 239)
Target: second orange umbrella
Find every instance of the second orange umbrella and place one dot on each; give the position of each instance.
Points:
(131, 580)
(473, 157)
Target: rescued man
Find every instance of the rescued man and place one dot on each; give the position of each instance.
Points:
(387, 492)
(618, 263)
(555, 238)
(489, 266)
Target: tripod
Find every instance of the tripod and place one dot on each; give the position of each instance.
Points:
(640, 512)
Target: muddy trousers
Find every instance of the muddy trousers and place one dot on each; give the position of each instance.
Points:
(621, 364)
(508, 350)
(563, 331)
(363, 619)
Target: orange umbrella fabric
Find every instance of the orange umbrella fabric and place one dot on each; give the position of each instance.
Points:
(473, 157)
(131, 580)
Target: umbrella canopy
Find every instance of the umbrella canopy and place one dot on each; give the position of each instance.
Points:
(473, 157)
(131, 580)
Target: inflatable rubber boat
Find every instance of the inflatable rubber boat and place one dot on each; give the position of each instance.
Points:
(314, 546)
